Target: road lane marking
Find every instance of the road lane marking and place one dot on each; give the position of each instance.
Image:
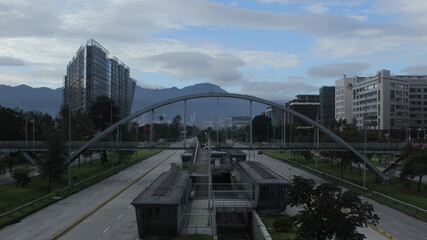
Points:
(423, 236)
(129, 206)
(120, 216)
(21, 235)
(106, 230)
(68, 209)
(75, 223)
(399, 224)
(50, 219)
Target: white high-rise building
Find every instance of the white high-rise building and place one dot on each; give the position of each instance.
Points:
(390, 102)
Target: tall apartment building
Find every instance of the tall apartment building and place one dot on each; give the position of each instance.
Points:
(327, 105)
(91, 73)
(344, 99)
(306, 104)
(276, 116)
(390, 102)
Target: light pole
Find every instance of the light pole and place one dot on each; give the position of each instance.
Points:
(34, 132)
(364, 145)
(26, 131)
(350, 86)
(418, 130)
(69, 146)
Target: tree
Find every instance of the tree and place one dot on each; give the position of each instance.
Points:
(53, 164)
(328, 213)
(103, 113)
(12, 126)
(262, 128)
(21, 176)
(415, 166)
(8, 162)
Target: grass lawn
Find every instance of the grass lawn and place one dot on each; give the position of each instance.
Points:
(396, 190)
(268, 222)
(12, 196)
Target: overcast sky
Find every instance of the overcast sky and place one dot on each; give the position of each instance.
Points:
(272, 49)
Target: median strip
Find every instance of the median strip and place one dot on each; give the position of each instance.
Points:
(75, 223)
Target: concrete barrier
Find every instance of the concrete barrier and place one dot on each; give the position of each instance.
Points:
(259, 231)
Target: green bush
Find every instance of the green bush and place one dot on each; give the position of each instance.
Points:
(283, 224)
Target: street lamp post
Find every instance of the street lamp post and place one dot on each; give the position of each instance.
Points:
(350, 86)
(69, 146)
(34, 132)
(364, 145)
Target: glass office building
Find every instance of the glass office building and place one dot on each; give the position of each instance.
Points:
(327, 105)
(91, 73)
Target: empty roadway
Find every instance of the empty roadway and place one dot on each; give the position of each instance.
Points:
(51, 220)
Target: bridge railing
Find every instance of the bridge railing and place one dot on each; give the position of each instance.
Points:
(257, 145)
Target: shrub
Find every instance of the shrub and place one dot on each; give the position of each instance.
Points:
(283, 224)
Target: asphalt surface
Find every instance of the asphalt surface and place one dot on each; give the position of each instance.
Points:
(115, 220)
(399, 225)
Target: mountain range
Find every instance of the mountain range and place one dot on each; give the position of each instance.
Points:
(49, 100)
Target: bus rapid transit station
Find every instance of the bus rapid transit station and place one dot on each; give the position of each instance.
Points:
(212, 192)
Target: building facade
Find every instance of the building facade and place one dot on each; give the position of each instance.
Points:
(389, 102)
(241, 121)
(343, 99)
(91, 73)
(306, 104)
(327, 105)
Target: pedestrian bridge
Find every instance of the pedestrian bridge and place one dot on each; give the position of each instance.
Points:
(345, 145)
(41, 146)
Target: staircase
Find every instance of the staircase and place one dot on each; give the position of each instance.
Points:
(30, 156)
(393, 167)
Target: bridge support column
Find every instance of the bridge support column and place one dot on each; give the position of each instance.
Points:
(217, 121)
(152, 128)
(250, 118)
(284, 128)
(185, 123)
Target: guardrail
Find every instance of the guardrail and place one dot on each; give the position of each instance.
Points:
(24, 206)
(406, 205)
(327, 176)
(396, 201)
(62, 190)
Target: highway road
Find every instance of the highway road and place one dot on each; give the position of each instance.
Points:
(397, 224)
(115, 220)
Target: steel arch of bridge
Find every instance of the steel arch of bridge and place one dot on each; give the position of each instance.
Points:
(380, 176)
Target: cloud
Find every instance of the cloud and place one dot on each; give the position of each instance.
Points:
(416, 69)
(338, 47)
(316, 8)
(409, 11)
(278, 90)
(336, 70)
(28, 18)
(35, 76)
(221, 69)
(11, 61)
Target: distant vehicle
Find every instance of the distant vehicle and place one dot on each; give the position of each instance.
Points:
(260, 152)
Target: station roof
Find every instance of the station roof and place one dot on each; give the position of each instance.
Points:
(236, 153)
(167, 189)
(262, 174)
